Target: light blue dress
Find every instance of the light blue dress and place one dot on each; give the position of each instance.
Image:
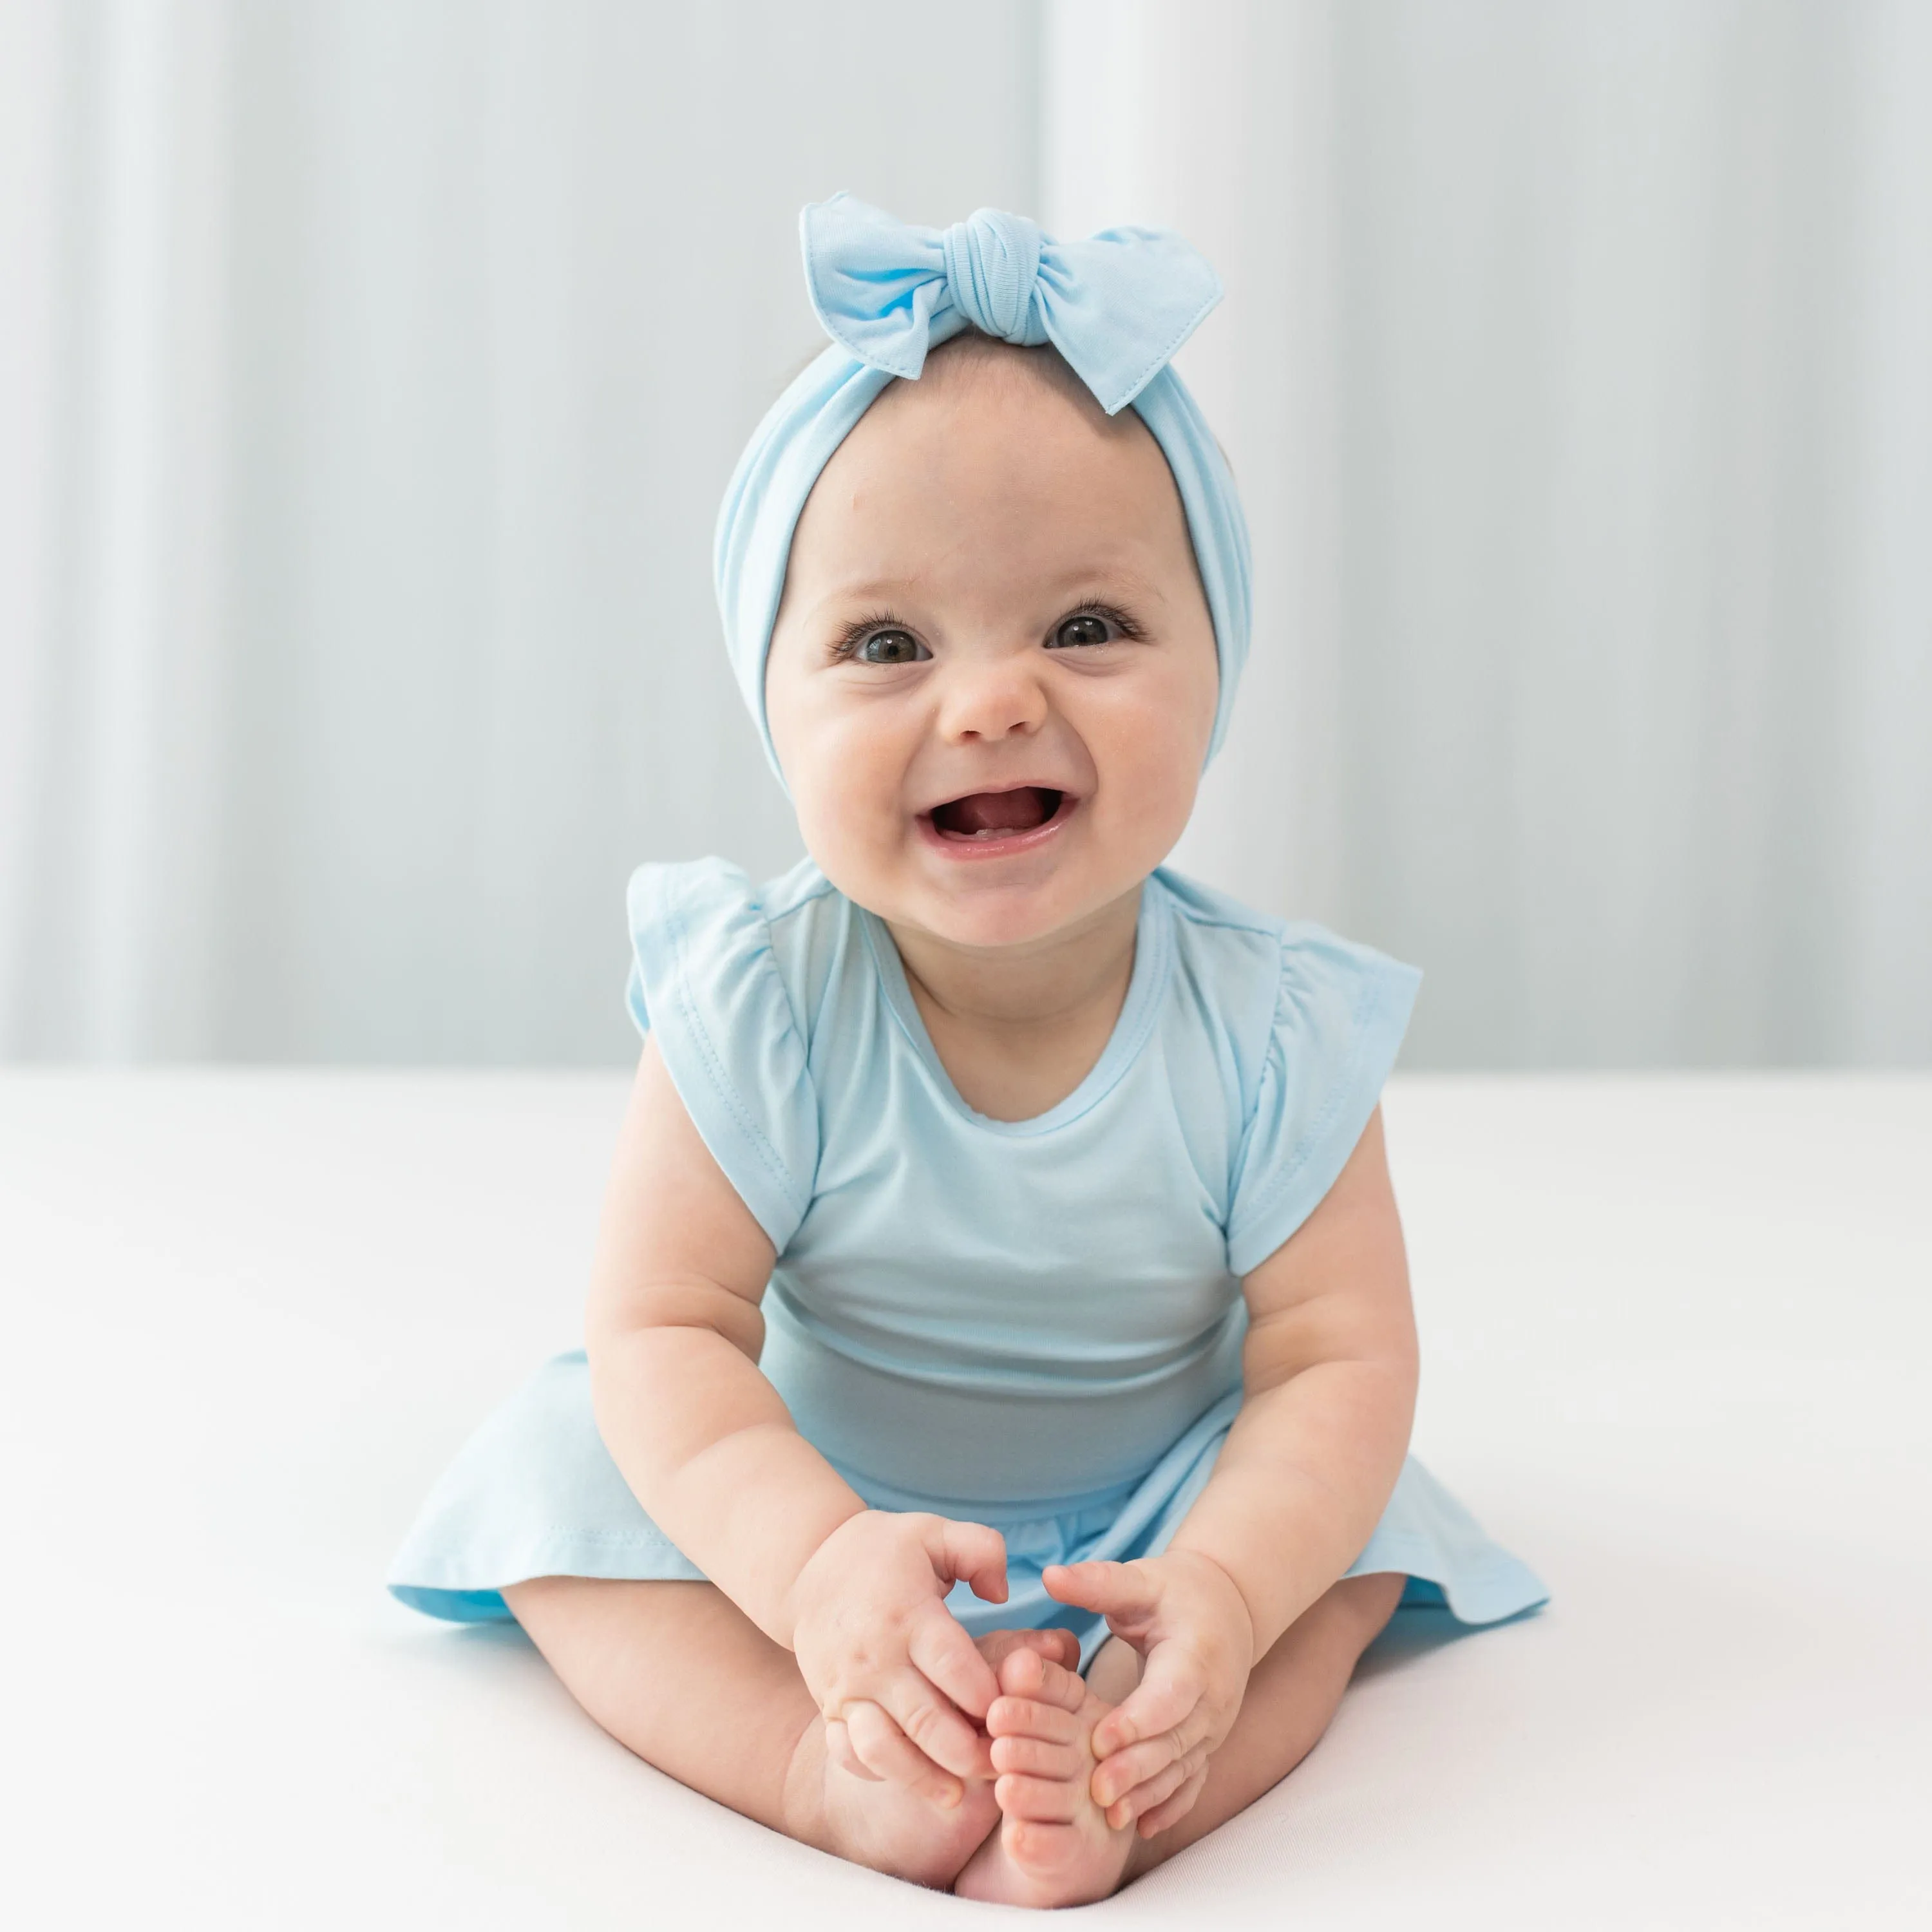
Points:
(1036, 1323)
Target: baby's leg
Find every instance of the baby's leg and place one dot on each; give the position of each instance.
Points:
(676, 1672)
(1292, 1697)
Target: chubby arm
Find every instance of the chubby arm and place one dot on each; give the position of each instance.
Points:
(710, 1450)
(673, 1333)
(1329, 1376)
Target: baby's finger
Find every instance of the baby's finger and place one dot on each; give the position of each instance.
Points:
(1152, 1792)
(1176, 1808)
(933, 1725)
(885, 1751)
(1112, 1589)
(1167, 1695)
(950, 1660)
(1119, 1776)
(972, 1551)
(839, 1749)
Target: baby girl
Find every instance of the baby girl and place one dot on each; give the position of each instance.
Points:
(988, 1463)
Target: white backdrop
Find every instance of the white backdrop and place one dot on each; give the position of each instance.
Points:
(1577, 367)
(369, 372)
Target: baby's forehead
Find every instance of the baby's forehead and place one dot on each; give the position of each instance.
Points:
(979, 377)
(993, 452)
(1022, 402)
(971, 359)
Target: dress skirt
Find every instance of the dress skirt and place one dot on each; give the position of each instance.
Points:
(534, 1493)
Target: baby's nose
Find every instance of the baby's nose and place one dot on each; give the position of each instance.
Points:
(989, 700)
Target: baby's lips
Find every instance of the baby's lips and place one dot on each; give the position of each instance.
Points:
(1012, 808)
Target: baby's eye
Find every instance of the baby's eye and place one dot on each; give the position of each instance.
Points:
(1086, 628)
(890, 647)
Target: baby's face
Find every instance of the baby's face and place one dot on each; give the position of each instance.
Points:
(993, 677)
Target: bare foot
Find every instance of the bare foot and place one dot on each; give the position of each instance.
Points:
(1055, 1846)
(889, 1826)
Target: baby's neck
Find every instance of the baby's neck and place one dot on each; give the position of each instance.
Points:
(1018, 1028)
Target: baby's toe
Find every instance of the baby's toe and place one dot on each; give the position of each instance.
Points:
(1028, 1717)
(1027, 1674)
(996, 1646)
(1045, 1850)
(1020, 1673)
(1038, 1758)
(1042, 1801)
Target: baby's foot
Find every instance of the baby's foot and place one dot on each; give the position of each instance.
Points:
(884, 1825)
(1054, 1845)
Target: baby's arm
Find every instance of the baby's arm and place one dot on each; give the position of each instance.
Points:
(709, 1449)
(1329, 1372)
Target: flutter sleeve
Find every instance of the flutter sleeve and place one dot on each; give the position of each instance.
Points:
(704, 981)
(1340, 1013)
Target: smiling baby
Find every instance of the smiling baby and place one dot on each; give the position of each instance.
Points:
(988, 1460)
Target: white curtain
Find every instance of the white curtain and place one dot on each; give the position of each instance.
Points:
(1576, 364)
(369, 372)
(372, 370)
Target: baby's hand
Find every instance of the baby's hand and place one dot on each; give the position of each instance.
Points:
(901, 1684)
(1183, 1613)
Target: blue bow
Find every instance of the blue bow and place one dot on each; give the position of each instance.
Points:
(1116, 306)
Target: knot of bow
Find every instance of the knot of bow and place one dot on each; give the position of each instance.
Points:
(1116, 306)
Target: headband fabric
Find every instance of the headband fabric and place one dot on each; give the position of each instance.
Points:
(1116, 306)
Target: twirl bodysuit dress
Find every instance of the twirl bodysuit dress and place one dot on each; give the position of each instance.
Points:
(1035, 1324)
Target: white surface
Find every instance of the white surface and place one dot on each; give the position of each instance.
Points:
(1678, 1341)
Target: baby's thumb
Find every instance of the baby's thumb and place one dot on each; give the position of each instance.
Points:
(972, 1551)
(1112, 1589)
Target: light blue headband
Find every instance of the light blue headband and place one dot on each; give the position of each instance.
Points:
(1116, 306)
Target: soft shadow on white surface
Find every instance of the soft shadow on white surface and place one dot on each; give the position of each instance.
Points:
(1677, 1341)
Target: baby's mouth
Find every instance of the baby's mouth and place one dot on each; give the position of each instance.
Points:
(983, 816)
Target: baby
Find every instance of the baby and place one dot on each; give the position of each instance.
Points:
(988, 1463)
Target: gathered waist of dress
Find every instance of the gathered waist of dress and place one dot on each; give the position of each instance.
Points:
(1102, 1504)
(1002, 1447)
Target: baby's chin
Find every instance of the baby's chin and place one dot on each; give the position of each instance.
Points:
(990, 922)
(987, 908)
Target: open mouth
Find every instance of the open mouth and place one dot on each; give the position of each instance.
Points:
(991, 817)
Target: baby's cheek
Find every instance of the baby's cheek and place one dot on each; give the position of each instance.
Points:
(1157, 776)
(852, 813)
(851, 776)
(1155, 723)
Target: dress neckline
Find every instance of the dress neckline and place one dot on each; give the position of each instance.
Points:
(1152, 952)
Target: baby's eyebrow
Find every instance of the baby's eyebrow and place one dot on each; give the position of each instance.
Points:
(871, 590)
(1124, 583)
(1077, 585)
